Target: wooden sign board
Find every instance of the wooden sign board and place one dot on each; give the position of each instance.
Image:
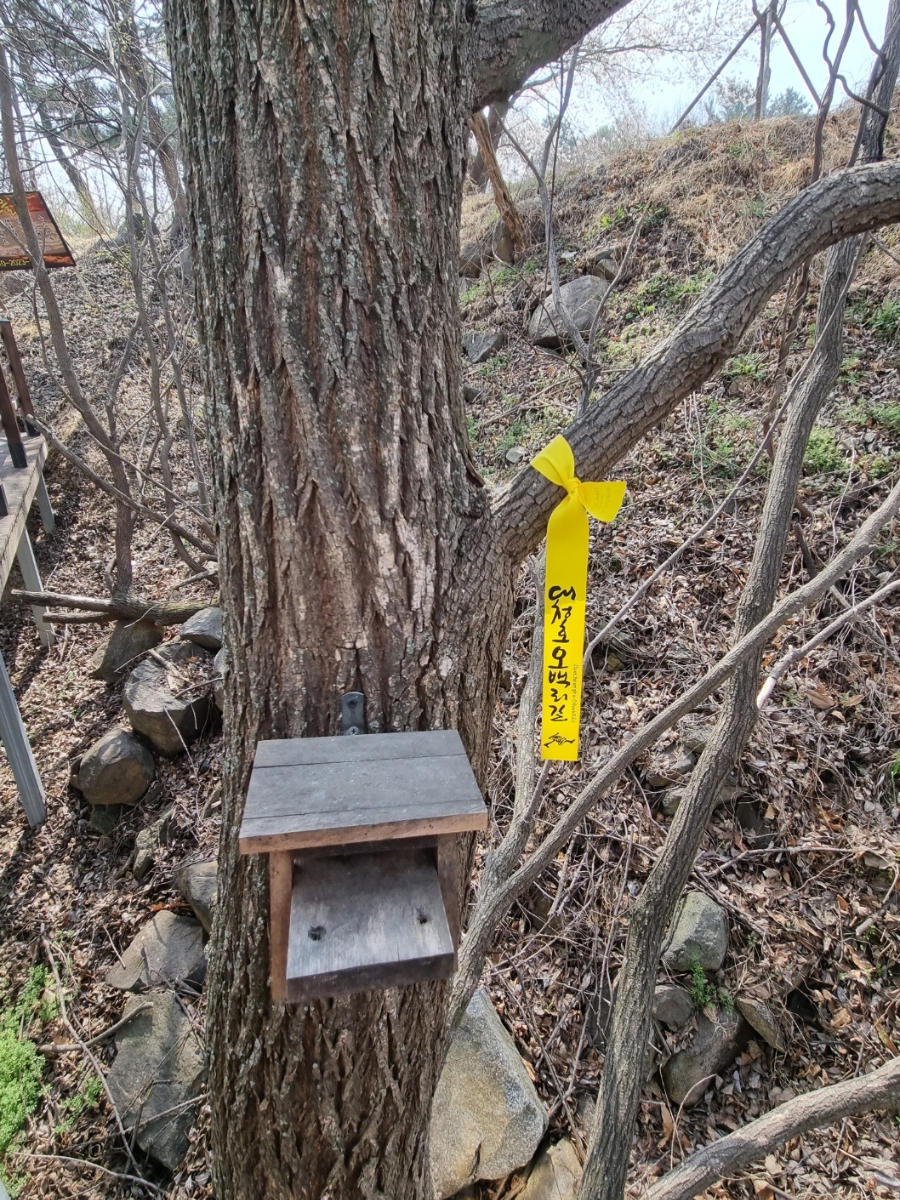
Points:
(13, 255)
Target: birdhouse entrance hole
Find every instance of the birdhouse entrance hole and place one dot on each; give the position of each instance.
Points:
(362, 838)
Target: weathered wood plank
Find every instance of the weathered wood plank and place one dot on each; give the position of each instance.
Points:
(331, 804)
(374, 747)
(365, 922)
(281, 868)
(19, 486)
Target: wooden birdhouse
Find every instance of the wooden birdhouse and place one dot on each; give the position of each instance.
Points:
(362, 838)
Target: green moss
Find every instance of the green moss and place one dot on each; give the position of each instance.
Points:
(21, 1066)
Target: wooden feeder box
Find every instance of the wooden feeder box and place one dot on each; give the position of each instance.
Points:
(361, 834)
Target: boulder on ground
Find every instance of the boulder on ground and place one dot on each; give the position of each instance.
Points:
(128, 640)
(148, 842)
(555, 1175)
(479, 347)
(486, 1119)
(672, 1005)
(470, 260)
(167, 950)
(204, 629)
(580, 298)
(695, 738)
(666, 769)
(760, 1017)
(116, 770)
(104, 818)
(715, 1044)
(164, 701)
(699, 935)
(198, 883)
(158, 1072)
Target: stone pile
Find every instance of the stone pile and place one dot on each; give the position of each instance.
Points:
(170, 695)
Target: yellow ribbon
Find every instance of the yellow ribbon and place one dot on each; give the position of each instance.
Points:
(565, 585)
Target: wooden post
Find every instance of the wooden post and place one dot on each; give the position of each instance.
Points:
(18, 373)
(18, 751)
(48, 516)
(11, 426)
(281, 878)
(29, 568)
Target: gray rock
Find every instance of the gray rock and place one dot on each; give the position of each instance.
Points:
(116, 770)
(197, 883)
(580, 298)
(672, 1005)
(666, 769)
(515, 454)
(670, 801)
(479, 347)
(695, 738)
(148, 842)
(167, 950)
(104, 818)
(154, 709)
(159, 1068)
(758, 1014)
(699, 935)
(204, 629)
(555, 1175)
(128, 640)
(714, 1045)
(470, 393)
(487, 1119)
(220, 666)
(470, 260)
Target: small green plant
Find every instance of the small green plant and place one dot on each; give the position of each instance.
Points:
(20, 1064)
(703, 992)
(477, 291)
(885, 415)
(84, 1099)
(706, 995)
(493, 365)
(879, 466)
(744, 366)
(885, 320)
(850, 375)
(823, 452)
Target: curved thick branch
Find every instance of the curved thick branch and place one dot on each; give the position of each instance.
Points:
(880, 1089)
(513, 38)
(835, 208)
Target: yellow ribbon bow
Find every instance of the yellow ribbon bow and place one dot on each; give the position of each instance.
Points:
(565, 585)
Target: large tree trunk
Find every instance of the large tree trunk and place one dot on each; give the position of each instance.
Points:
(325, 217)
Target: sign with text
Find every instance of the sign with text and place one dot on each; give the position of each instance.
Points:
(13, 253)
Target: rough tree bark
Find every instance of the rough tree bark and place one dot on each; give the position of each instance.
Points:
(324, 149)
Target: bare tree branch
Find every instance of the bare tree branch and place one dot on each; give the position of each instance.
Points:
(833, 209)
(511, 40)
(880, 1089)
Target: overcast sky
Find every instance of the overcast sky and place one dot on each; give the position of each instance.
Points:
(806, 26)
